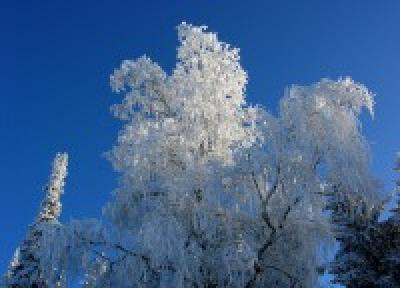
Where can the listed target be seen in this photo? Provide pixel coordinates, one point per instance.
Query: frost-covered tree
(215, 192)
(24, 270)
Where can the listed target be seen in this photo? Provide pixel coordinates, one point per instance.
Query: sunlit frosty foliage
(215, 192)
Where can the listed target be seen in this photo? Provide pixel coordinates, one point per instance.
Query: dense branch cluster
(215, 192)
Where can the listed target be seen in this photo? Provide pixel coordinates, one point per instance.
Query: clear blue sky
(56, 57)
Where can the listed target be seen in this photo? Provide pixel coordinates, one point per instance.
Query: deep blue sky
(56, 57)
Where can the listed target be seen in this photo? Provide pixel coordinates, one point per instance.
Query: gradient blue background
(56, 57)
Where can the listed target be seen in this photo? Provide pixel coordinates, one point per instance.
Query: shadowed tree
(369, 253)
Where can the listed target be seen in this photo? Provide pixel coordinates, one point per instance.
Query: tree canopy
(213, 191)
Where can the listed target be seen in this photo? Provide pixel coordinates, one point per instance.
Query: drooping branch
(117, 247)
